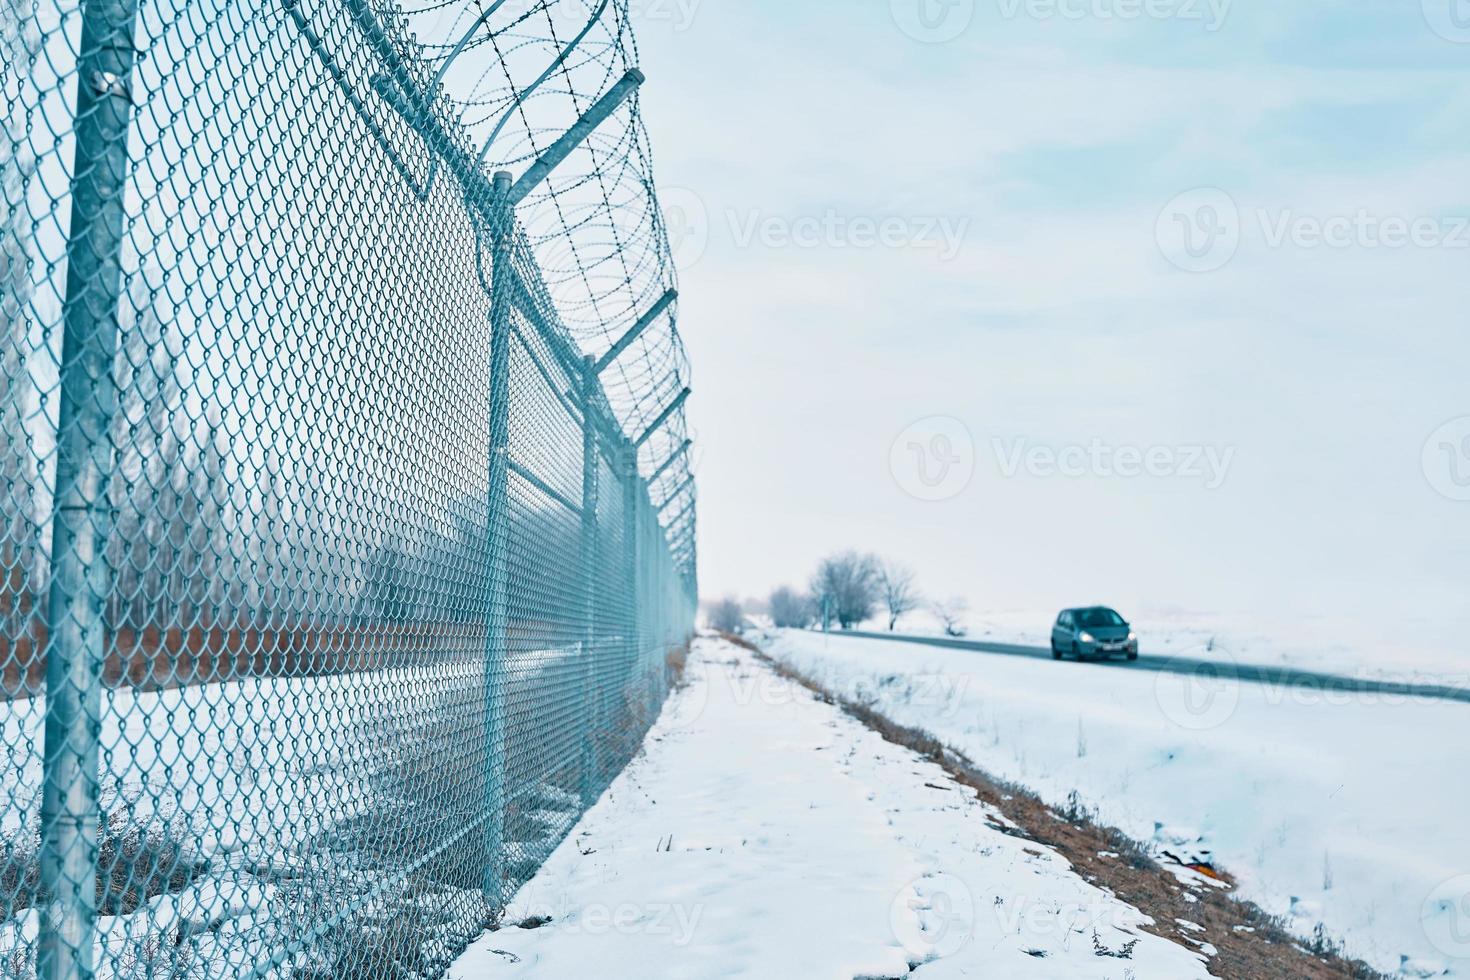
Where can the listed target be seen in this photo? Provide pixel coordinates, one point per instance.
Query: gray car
(1094, 631)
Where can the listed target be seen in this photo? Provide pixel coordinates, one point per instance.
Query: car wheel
(1132, 656)
(1056, 651)
(1077, 651)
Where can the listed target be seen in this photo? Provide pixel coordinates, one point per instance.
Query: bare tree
(900, 595)
(950, 613)
(726, 616)
(18, 537)
(20, 558)
(146, 493)
(847, 586)
(203, 521)
(270, 546)
(790, 609)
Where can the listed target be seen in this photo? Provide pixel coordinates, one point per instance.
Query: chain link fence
(347, 523)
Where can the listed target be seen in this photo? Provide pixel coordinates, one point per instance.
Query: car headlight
(1087, 638)
(1132, 637)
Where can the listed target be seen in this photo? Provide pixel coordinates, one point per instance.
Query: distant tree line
(846, 590)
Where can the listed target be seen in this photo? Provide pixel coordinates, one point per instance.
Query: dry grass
(676, 662)
(142, 859)
(1251, 944)
(139, 858)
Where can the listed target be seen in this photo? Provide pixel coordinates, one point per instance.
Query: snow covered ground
(766, 834)
(257, 777)
(1347, 810)
(1384, 650)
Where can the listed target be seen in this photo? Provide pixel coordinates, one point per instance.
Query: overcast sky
(1160, 303)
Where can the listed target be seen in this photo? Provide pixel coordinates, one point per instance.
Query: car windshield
(1099, 617)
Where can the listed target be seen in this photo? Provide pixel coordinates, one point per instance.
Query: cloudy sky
(1154, 302)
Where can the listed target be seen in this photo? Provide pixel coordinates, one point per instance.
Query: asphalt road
(1327, 684)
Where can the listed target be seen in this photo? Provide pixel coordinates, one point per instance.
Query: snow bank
(1343, 809)
(764, 834)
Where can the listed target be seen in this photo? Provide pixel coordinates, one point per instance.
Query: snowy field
(764, 834)
(1348, 810)
(265, 783)
(1380, 650)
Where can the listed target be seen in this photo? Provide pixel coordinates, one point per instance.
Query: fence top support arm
(677, 524)
(575, 136)
(663, 417)
(673, 458)
(626, 340)
(683, 484)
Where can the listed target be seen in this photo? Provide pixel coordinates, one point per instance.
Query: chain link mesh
(347, 523)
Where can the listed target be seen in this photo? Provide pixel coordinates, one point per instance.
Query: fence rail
(346, 537)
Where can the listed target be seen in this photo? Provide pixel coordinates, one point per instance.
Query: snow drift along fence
(347, 521)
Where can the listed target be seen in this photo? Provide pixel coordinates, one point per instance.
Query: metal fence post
(77, 641)
(497, 536)
(631, 530)
(589, 550)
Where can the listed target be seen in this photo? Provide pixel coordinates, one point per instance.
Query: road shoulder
(764, 832)
(1196, 906)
